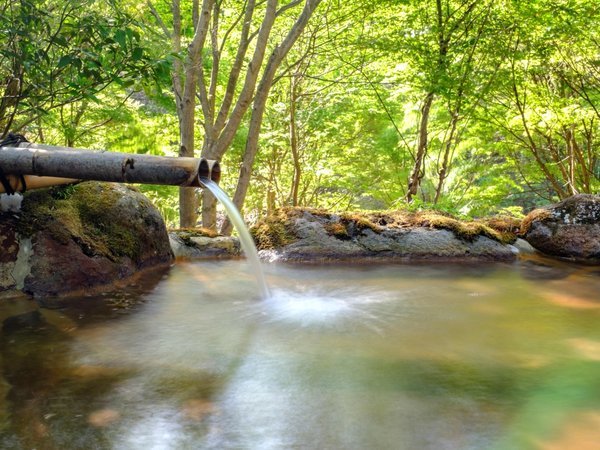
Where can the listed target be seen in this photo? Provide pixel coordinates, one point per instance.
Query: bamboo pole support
(44, 165)
(34, 182)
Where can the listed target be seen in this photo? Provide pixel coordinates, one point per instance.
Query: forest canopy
(475, 107)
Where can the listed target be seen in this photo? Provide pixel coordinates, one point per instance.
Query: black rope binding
(11, 140)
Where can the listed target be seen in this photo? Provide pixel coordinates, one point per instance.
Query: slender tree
(260, 100)
(221, 70)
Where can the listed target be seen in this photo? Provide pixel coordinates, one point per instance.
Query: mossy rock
(87, 235)
(276, 230)
(568, 229)
(316, 234)
(202, 243)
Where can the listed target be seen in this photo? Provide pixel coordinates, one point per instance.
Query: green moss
(275, 230)
(101, 227)
(501, 230)
(83, 213)
(536, 214)
(63, 192)
(361, 221)
(291, 212)
(338, 230)
(508, 227)
(38, 212)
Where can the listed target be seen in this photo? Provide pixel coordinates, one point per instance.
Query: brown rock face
(80, 237)
(9, 248)
(569, 229)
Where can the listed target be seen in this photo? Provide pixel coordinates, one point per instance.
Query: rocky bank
(310, 235)
(77, 238)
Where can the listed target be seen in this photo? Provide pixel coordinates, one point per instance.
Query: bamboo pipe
(63, 165)
(34, 182)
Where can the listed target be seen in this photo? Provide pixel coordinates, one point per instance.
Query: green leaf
(65, 61)
(137, 54)
(61, 40)
(121, 38)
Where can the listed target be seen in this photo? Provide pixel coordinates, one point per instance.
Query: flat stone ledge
(186, 246)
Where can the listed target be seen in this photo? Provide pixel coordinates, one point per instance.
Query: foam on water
(312, 307)
(307, 307)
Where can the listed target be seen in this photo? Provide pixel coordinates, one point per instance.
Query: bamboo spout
(42, 166)
(209, 170)
(215, 171)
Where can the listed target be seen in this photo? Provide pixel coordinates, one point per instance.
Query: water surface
(491, 356)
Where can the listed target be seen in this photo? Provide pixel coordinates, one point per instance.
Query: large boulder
(75, 238)
(569, 229)
(315, 235)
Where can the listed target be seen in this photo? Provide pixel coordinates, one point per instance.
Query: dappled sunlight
(580, 432)
(586, 348)
(569, 300)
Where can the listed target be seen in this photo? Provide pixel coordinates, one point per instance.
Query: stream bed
(443, 356)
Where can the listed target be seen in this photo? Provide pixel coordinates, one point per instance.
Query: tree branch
(159, 20)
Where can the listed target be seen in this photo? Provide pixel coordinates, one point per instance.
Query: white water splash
(311, 307)
(11, 202)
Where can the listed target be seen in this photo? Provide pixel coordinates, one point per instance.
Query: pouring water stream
(246, 240)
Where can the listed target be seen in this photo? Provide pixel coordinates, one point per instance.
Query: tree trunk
(188, 199)
(225, 130)
(443, 172)
(419, 165)
(294, 143)
(248, 88)
(260, 101)
(270, 202)
(569, 137)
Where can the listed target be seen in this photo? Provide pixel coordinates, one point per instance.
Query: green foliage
(520, 81)
(56, 53)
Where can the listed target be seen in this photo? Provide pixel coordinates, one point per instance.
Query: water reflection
(442, 357)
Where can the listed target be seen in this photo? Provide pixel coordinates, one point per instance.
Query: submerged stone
(76, 238)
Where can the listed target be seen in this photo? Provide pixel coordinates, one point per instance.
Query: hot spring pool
(491, 356)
